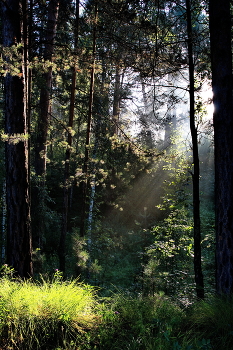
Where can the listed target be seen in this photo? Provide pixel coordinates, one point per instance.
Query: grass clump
(69, 315)
(61, 314)
(47, 315)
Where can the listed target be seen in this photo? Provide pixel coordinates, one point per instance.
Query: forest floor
(55, 314)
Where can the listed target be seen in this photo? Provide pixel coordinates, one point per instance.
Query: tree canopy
(109, 146)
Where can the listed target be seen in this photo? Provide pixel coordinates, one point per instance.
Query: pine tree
(221, 61)
(19, 246)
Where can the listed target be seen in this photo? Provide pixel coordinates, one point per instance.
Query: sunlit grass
(33, 315)
(69, 315)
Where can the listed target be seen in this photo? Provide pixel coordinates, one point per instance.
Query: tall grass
(45, 315)
(69, 315)
(212, 320)
(159, 324)
(136, 323)
(60, 314)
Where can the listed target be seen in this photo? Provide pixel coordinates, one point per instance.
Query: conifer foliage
(97, 148)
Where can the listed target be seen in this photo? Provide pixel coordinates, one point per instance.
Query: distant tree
(221, 59)
(46, 38)
(66, 185)
(196, 164)
(45, 91)
(84, 183)
(19, 247)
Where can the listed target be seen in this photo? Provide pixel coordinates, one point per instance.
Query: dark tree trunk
(66, 185)
(84, 183)
(43, 123)
(196, 168)
(45, 92)
(116, 99)
(221, 58)
(19, 248)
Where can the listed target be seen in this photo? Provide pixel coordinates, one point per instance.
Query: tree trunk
(84, 183)
(66, 185)
(116, 99)
(45, 92)
(196, 168)
(19, 247)
(62, 245)
(43, 123)
(4, 220)
(221, 59)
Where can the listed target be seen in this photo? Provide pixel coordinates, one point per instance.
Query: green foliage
(168, 261)
(69, 315)
(140, 242)
(6, 271)
(169, 267)
(158, 324)
(208, 247)
(46, 223)
(79, 245)
(118, 252)
(211, 320)
(138, 323)
(45, 315)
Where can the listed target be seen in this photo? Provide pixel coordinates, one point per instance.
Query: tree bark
(221, 60)
(116, 99)
(62, 245)
(196, 166)
(43, 121)
(19, 247)
(4, 211)
(84, 184)
(45, 92)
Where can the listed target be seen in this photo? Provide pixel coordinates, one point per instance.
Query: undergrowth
(69, 315)
(46, 315)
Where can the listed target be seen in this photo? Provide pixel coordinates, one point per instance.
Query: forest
(116, 171)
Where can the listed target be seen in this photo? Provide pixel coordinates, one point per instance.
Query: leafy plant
(170, 265)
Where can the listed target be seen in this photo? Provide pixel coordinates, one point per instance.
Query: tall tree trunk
(84, 184)
(221, 59)
(196, 168)
(66, 185)
(45, 92)
(19, 247)
(116, 99)
(43, 123)
(4, 212)
(145, 134)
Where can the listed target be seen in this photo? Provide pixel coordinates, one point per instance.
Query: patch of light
(207, 96)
